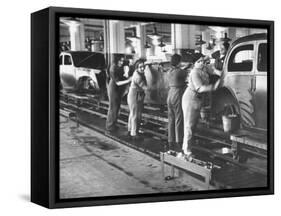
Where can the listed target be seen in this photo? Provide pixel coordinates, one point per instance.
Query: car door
(67, 72)
(239, 79)
(260, 85)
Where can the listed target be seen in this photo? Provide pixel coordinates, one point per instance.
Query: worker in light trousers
(193, 99)
(136, 98)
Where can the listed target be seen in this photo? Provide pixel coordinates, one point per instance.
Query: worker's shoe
(178, 147)
(128, 134)
(115, 128)
(171, 146)
(136, 138)
(188, 155)
(166, 147)
(180, 155)
(112, 129)
(174, 146)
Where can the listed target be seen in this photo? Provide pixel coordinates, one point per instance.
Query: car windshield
(88, 60)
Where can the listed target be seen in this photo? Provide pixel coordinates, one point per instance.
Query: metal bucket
(230, 123)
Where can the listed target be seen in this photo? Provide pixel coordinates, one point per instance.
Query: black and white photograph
(161, 107)
(140, 108)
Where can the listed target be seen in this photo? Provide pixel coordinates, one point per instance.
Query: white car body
(71, 72)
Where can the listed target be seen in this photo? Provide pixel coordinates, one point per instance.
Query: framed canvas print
(137, 107)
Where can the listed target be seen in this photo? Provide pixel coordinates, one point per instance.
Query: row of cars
(244, 79)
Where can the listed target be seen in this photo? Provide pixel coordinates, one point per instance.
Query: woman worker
(193, 98)
(219, 56)
(135, 98)
(177, 82)
(115, 91)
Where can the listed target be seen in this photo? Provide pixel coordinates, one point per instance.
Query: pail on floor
(230, 123)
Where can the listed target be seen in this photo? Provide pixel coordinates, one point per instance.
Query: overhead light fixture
(199, 41)
(154, 35)
(209, 47)
(101, 37)
(162, 44)
(147, 46)
(87, 40)
(214, 41)
(130, 50)
(211, 44)
(225, 38)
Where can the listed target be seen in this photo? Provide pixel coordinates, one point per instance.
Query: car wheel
(85, 85)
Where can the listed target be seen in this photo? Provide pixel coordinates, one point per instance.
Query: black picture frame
(45, 106)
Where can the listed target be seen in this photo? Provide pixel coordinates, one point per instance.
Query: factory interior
(131, 127)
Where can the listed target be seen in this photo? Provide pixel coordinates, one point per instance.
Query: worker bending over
(193, 98)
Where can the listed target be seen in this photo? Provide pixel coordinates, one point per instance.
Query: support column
(116, 37)
(256, 31)
(183, 36)
(141, 32)
(241, 32)
(206, 36)
(106, 42)
(232, 34)
(77, 36)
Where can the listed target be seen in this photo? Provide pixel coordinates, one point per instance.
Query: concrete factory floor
(92, 165)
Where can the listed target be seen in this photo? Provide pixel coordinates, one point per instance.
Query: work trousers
(175, 117)
(191, 105)
(135, 102)
(114, 97)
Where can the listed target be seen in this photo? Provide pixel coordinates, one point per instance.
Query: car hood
(88, 60)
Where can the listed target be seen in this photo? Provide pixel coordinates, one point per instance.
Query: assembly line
(142, 110)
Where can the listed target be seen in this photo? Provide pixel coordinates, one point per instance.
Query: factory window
(262, 57)
(67, 60)
(241, 59)
(60, 60)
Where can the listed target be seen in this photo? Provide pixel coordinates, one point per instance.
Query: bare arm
(200, 87)
(216, 85)
(141, 82)
(115, 78)
(210, 69)
(205, 88)
(208, 88)
(123, 82)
